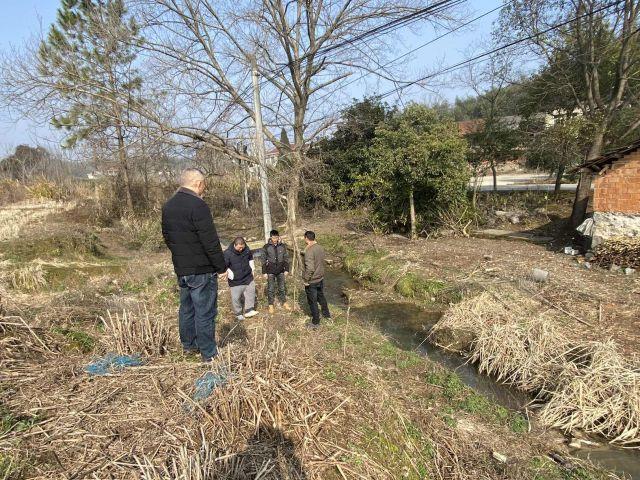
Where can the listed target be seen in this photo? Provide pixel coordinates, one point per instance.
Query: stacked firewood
(622, 251)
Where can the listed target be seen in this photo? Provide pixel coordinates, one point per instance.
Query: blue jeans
(197, 314)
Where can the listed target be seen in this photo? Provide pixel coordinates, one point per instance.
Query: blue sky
(22, 19)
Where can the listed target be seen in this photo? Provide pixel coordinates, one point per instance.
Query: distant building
(272, 157)
(616, 193)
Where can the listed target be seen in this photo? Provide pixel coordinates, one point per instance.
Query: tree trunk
(262, 161)
(583, 191)
(581, 202)
(494, 172)
(245, 187)
(122, 156)
(559, 175)
(412, 213)
(293, 192)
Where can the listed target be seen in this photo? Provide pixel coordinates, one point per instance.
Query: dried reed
(136, 333)
(586, 385)
(29, 278)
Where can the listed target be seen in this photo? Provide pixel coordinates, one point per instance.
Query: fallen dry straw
(517, 339)
(267, 422)
(130, 333)
(272, 419)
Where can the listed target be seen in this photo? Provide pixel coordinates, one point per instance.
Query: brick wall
(618, 189)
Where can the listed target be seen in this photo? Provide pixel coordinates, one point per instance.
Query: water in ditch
(408, 324)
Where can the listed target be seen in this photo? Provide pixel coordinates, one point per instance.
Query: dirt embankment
(341, 402)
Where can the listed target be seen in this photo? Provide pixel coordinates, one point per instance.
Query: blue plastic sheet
(111, 362)
(207, 383)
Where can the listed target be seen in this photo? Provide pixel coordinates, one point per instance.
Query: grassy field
(345, 401)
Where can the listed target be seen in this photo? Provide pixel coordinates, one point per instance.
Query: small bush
(12, 191)
(47, 190)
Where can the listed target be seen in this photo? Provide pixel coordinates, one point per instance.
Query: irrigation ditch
(411, 325)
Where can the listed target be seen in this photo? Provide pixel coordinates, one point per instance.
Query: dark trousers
(197, 314)
(274, 281)
(315, 296)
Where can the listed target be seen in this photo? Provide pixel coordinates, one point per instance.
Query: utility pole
(262, 160)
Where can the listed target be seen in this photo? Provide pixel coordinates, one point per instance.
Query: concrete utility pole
(262, 160)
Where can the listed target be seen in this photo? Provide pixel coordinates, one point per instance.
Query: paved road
(522, 182)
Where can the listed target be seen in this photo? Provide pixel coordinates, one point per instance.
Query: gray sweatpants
(243, 295)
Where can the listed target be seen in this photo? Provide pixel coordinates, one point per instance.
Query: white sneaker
(250, 313)
(240, 318)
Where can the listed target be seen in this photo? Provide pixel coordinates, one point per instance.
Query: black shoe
(209, 359)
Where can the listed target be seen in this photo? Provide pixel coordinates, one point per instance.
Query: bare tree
(495, 138)
(303, 50)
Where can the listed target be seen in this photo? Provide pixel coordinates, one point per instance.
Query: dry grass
(29, 278)
(518, 339)
(130, 333)
(272, 419)
(600, 397)
(143, 233)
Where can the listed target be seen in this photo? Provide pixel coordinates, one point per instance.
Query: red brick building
(616, 192)
(616, 185)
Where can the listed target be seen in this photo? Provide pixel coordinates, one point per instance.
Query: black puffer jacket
(189, 232)
(239, 264)
(275, 259)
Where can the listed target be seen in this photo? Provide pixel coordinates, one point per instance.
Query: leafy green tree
(344, 155)
(89, 56)
(494, 143)
(419, 168)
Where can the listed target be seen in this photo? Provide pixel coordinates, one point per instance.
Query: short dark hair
(239, 241)
(309, 235)
(274, 233)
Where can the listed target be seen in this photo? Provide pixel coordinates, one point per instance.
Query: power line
(497, 49)
(479, 57)
(473, 20)
(376, 31)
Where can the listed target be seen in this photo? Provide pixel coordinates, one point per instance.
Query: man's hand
(286, 274)
(306, 284)
(264, 275)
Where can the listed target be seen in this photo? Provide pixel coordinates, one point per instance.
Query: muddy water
(408, 324)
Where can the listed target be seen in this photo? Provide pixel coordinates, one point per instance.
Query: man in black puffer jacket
(240, 266)
(189, 232)
(275, 266)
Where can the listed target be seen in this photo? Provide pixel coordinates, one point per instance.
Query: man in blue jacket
(189, 232)
(240, 267)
